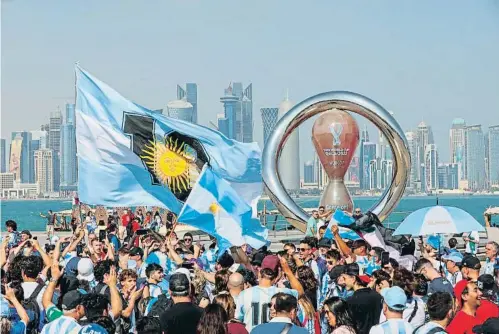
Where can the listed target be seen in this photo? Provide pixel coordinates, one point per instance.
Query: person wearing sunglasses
(357, 214)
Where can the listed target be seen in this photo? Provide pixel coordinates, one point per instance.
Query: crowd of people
(132, 274)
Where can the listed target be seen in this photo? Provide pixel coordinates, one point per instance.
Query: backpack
(33, 309)
(158, 305)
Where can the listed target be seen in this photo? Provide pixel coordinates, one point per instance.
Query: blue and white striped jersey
(63, 324)
(399, 326)
(253, 304)
(168, 265)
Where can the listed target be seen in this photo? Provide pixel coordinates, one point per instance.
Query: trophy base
(336, 196)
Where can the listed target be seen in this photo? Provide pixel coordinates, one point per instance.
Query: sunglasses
(187, 239)
(357, 211)
(303, 249)
(330, 262)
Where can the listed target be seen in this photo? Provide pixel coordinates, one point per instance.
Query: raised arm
(47, 261)
(116, 305)
(10, 295)
(293, 281)
(49, 291)
(342, 245)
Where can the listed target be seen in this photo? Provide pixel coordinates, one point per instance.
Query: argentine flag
(342, 219)
(215, 208)
(132, 156)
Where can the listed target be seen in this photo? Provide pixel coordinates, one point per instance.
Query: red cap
(271, 262)
(459, 288)
(364, 278)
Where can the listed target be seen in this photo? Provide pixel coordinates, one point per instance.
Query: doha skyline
(428, 61)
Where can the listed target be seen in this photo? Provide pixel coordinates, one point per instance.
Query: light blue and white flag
(131, 156)
(341, 219)
(215, 208)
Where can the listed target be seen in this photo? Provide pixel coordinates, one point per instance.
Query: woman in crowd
(234, 326)
(338, 316)
(213, 321)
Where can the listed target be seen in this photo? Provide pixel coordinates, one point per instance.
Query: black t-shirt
(366, 306)
(181, 318)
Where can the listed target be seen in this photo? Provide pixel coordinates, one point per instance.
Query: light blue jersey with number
(253, 304)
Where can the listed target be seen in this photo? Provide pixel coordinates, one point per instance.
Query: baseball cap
(324, 242)
(487, 285)
(471, 262)
(433, 241)
(186, 272)
(454, 257)
(92, 329)
(71, 299)
(395, 298)
(136, 251)
(459, 288)
(336, 272)
(179, 283)
(271, 262)
(85, 270)
(351, 269)
(491, 326)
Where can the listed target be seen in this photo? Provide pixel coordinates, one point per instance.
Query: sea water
(27, 212)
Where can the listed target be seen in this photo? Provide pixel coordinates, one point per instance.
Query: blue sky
(431, 60)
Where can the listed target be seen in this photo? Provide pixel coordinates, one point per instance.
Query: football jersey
(253, 304)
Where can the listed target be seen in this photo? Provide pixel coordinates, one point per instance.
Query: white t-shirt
(29, 288)
(252, 305)
(472, 246)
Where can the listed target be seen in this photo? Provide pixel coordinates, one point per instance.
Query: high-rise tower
(190, 94)
(475, 157)
(289, 163)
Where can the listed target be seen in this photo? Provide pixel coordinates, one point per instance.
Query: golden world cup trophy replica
(335, 136)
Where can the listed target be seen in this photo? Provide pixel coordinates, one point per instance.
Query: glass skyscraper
(20, 155)
(456, 142)
(190, 94)
(55, 123)
(431, 164)
(369, 154)
(68, 160)
(238, 110)
(269, 120)
(363, 165)
(494, 156)
(475, 157)
(308, 172)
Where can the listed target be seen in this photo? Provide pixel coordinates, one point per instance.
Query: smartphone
(385, 259)
(142, 231)
(64, 245)
(102, 235)
(281, 253)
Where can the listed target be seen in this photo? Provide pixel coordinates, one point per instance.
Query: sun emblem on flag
(214, 208)
(173, 162)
